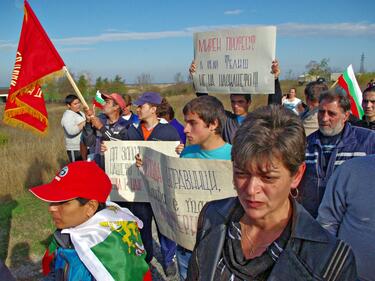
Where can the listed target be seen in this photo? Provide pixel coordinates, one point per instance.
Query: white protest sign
(235, 60)
(179, 188)
(128, 184)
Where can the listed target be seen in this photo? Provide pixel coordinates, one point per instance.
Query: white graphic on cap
(63, 173)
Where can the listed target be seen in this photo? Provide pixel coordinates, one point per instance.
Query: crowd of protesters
(301, 171)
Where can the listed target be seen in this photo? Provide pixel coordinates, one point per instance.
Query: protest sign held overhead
(235, 60)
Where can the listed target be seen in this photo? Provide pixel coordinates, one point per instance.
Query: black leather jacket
(310, 254)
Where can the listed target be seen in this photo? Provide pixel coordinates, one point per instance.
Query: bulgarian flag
(110, 245)
(98, 101)
(36, 60)
(349, 83)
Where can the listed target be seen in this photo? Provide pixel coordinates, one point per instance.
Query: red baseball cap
(117, 98)
(78, 179)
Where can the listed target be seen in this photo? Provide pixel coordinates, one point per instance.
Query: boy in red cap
(94, 240)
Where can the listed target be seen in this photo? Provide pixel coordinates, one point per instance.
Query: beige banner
(179, 188)
(128, 184)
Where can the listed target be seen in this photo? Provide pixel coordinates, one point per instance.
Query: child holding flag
(94, 240)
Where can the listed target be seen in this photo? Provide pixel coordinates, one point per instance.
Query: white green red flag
(349, 83)
(99, 101)
(110, 245)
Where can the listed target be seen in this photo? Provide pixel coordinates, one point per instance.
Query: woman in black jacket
(263, 233)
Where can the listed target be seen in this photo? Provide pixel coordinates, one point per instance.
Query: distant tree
(105, 84)
(320, 69)
(178, 78)
(50, 91)
(83, 85)
(289, 75)
(144, 80)
(99, 83)
(117, 85)
(64, 87)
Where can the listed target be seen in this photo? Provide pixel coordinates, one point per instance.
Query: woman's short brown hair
(268, 132)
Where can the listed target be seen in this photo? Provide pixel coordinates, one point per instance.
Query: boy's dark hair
(369, 89)
(165, 109)
(127, 98)
(70, 98)
(270, 132)
(83, 201)
(209, 109)
(246, 96)
(314, 89)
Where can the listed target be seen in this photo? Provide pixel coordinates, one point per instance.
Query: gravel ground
(31, 270)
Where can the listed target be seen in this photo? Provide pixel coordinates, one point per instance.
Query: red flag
(36, 60)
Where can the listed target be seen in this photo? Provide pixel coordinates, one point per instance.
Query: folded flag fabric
(349, 83)
(99, 101)
(110, 246)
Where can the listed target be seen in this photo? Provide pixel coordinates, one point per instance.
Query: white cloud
(74, 49)
(7, 46)
(233, 12)
(285, 29)
(344, 29)
(121, 36)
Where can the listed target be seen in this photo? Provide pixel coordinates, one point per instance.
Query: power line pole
(362, 68)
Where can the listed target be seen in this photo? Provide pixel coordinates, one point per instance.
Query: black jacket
(161, 132)
(310, 254)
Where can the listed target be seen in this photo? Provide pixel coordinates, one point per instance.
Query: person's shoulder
(67, 113)
(362, 135)
(358, 164)
(218, 211)
(225, 152)
(313, 137)
(190, 149)
(227, 146)
(176, 123)
(167, 131)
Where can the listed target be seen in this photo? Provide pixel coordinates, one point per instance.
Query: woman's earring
(294, 192)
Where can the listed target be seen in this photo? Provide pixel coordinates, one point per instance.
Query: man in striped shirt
(335, 142)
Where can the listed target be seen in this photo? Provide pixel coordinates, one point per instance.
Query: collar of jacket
(346, 137)
(304, 227)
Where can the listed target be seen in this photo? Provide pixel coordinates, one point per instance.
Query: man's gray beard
(332, 132)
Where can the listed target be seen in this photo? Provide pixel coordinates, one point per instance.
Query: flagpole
(334, 84)
(78, 92)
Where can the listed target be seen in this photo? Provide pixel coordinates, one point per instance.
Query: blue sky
(129, 37)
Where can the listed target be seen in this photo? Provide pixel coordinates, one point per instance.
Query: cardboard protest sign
(128, 183)
(235, 60)
(179, 188)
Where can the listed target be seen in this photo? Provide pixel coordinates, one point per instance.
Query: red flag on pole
(36, 60)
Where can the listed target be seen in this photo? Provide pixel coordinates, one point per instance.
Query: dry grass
(27, 159)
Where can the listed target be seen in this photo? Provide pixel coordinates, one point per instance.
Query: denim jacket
(310, 254)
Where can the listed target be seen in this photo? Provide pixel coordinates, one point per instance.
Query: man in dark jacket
(107, 126)
(334, 143)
